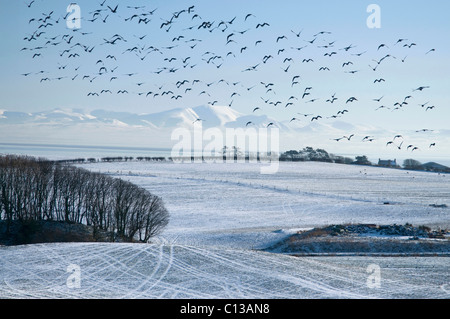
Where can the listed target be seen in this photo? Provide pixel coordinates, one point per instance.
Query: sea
(67, 152)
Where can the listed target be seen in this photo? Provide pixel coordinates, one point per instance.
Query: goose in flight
(260, 25)
(349, 137)
(333, 98)
(281, 38)
(421, 88)
(378, 100)
(297, 34)
(351, 99)
(286, 69)
(322, 32)
(400, 40)
(348, 47)
(359, 54)
(248, 16)
(113, 10)
(409, 45)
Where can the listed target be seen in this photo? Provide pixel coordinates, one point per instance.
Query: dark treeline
(38, 189)
(110, 159)
(316, 155)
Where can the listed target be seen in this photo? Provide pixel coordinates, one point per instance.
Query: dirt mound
(375, 230)
(366, 239)
(34, 232)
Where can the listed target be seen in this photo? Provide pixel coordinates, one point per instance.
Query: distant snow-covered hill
(113, 128)
(211, 116)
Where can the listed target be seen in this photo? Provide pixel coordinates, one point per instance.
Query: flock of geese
(97, 60)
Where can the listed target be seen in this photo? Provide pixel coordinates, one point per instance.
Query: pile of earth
(366, 239)
(380, 230)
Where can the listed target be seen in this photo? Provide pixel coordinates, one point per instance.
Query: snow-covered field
(233, 205)
(181, 271)
(221, 214)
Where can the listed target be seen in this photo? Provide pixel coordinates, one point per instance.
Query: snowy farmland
(222, 214)
(233, 205)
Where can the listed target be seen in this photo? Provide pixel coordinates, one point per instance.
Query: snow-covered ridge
(223, 217)
(209, 115)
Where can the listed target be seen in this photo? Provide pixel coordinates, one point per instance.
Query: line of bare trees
(38, 189)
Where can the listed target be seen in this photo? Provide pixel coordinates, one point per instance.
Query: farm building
(387, 163)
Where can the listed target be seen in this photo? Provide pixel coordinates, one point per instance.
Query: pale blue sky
(424, 23)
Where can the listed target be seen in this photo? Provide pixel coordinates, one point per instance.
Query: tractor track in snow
(177, 271)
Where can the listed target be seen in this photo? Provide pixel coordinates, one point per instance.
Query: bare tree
(411, 164)
(37, 189)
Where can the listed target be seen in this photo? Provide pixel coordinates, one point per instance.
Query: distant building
(435, 167)
(387, 163)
